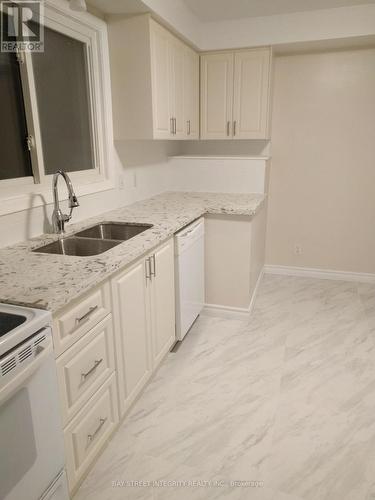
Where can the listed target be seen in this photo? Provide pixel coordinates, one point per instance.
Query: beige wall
(322, 182)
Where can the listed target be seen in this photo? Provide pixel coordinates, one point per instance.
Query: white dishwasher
(189, 276)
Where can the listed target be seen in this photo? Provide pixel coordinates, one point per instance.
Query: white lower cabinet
(78, 318)
(132, 325)
(89, 430)
(239, 242)
(107, 347)
(144, 318)
(83, 368)
(162, 301)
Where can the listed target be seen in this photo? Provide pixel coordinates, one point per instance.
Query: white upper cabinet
(176, 78)
(191, 93)
(149, 80)
(216, 96)
(251, 94)
(235, 94)
(161, 65)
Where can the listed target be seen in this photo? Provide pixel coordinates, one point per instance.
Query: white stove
(31, 451)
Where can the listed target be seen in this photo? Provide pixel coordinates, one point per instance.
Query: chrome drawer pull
(92, 436)
(96, 364)
(153, 268)
(148, 269)
(86, 315)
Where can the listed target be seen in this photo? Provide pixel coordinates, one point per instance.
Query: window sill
(42, 195)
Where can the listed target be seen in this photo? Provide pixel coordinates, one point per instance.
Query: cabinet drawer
(89, 430)
(78, 319)
(82, 369)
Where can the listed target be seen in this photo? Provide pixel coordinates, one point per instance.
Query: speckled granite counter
(50, 282)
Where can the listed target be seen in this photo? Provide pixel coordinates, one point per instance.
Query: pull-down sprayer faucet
(58, 218)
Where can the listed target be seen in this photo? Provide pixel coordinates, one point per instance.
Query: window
(52, 111)
(62, 92)
(15, 157)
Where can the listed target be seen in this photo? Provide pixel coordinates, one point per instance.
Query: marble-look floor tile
(286, 397)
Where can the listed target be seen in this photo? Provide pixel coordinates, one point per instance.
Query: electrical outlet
(298, 249)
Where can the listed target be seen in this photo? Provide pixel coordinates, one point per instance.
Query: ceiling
(221, 10)
(118, 6)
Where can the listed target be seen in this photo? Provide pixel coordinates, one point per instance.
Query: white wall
(322, 177)
(219, 175)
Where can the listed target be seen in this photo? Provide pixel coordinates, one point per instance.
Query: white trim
(234, 312)
(325, 274)
(207, 157)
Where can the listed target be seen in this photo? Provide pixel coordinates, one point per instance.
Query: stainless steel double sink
(94, 240)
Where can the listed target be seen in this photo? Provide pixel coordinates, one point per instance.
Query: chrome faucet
(58, 218)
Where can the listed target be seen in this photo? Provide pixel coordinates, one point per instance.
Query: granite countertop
(49, 281)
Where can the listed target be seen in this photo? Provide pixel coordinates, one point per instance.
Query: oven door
(31, 451)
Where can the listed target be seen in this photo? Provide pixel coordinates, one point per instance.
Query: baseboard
(225, 311)
(233, 312)
(324, 274)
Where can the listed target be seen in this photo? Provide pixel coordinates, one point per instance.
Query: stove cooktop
(17, 323)
(9, 322)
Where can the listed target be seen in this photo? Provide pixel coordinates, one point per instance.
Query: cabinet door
(160, 71)
(191, 93)
(216, 95)
(176, 70)
(251, 94)
(162, 301)
(131, 306)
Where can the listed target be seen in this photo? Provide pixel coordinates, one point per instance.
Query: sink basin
(113, 231)
(80, 247)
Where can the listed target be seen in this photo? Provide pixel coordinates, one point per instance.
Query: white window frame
(26, 192)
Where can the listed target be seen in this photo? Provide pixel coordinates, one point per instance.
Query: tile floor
(286, 398)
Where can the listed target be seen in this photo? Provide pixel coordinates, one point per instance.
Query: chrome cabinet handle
(86, 315)
(153, 267)
(92, 369)
(188, 127)
(175, 125)
(92, 436)
(228, 128)
(148, 269)
(171, 120)
(234, 127)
